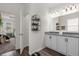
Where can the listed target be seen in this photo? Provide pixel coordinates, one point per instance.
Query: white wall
(48, 23)
(52, 24)
(36, 39)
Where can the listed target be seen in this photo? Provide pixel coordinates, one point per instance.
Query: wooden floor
(17, 52)
(43, 52)
(25, 51)
(49, 52)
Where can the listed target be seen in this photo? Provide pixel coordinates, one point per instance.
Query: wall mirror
(70, 22)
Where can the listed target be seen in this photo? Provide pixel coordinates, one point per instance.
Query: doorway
(7, 32)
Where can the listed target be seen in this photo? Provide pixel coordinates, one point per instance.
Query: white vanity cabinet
(61, 45)
(48, 42)
(68, 45)
(72, 46)
(53, 42)
(64, 45)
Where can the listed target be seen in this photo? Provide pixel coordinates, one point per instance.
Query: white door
(17, 32)
(53, 42)
(25, 32)
(72, 46)
(61, 45)
(48, 41)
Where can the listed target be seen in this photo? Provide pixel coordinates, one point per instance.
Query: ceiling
(57, 6)
(9, 7)
(14, 7)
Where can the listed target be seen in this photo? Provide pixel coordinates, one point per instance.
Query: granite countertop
(65, 34)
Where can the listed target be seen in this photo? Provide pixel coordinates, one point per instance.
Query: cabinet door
(72, 47)
(48, 41)
(53, 42)
(61, 45)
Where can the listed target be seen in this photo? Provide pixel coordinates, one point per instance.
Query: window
(72, 24)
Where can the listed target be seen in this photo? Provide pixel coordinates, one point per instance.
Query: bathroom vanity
(66, 43)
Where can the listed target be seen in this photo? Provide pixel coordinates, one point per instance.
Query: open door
(24, 37)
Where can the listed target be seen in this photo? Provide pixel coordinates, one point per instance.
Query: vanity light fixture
(68, 9)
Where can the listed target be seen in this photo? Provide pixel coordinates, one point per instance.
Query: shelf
(36, 19)
(35, 23)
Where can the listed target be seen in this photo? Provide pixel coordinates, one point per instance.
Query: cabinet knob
(50, 37)
(66, 39)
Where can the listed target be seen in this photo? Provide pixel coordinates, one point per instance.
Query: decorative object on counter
(62, 27)
(35, 23)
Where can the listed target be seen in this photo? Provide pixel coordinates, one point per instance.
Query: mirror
(69, 22)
